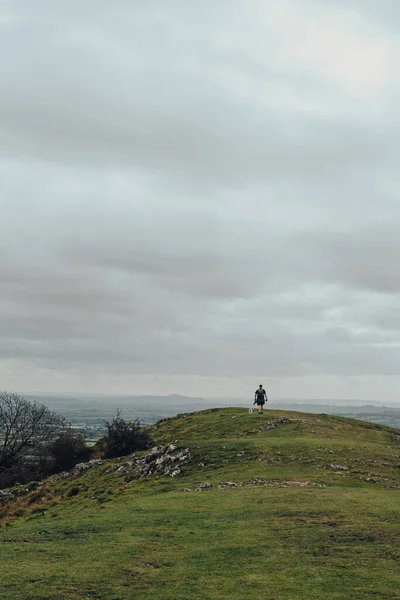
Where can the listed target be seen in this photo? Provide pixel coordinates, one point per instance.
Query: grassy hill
(281, 506)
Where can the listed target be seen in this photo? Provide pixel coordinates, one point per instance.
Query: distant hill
(92, 411)
(280, 506)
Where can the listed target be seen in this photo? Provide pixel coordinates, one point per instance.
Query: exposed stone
(159, 461)
(6, 496)
(81, 467)
(204, 486)
(227, 484)
(284, 484)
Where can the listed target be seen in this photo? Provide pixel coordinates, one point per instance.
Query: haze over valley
(90, 412)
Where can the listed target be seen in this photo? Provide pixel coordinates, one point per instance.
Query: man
(260, 398)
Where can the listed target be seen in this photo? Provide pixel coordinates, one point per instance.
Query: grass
(102, 536)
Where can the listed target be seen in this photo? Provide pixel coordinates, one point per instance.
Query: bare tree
(25, 429)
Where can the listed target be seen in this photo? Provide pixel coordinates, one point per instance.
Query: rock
(157, 462)
(6, 496)
(154, 454)
(186, 490)
(80, 467)
(284, 484)
(339, 468)
(204, 486)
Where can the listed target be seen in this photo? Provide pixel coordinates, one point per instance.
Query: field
(301, 506)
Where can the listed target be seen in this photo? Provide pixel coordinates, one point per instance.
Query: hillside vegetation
(279, 506)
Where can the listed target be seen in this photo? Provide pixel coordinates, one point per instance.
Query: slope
(289, 505)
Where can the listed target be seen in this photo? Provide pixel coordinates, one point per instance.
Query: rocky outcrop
(290, 483)
(161, 460)
(81, 467)
(6, 496)
(204, 486)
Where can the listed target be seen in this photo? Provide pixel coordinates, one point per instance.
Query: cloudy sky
(198, 197)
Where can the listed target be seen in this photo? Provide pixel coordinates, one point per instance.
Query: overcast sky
(198, 197)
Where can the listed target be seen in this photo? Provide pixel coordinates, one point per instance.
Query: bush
(99, 448)
(125, 437)
(68, 449)
(74, 491)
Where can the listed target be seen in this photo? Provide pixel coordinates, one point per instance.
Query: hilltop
(227, 505)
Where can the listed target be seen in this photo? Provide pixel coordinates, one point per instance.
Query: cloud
(193, 195)
(338, 43)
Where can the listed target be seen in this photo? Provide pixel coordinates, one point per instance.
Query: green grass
(102, 536)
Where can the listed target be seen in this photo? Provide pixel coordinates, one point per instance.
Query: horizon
(299, 401)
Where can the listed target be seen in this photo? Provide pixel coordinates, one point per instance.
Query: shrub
(99, 448)
(125, 437)
(69, 449)
(74, 491)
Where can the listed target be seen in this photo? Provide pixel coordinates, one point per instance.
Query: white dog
(251, 410)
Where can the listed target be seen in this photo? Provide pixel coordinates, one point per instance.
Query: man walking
(260, 398)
